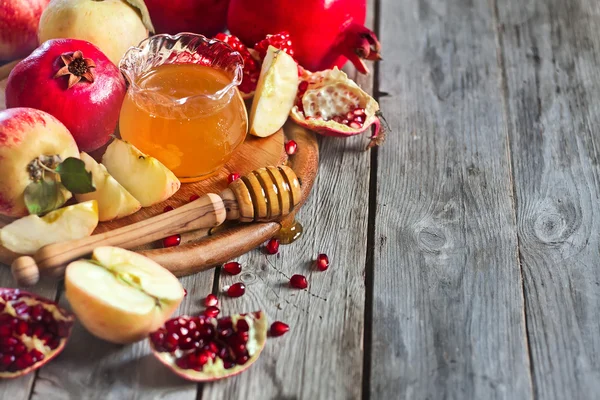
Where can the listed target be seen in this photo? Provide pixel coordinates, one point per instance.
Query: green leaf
(75, 177)
(142, 10)
(44, 196)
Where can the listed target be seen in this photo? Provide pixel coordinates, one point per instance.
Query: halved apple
(29, 234)
(146, 178)
(121, 296)
(114, 201)
(275, 93)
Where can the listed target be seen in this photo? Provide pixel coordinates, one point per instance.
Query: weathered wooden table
(465, 251)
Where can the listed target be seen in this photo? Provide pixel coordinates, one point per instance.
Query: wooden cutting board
(204, 249)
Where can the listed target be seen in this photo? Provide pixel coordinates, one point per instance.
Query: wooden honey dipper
(265, 194)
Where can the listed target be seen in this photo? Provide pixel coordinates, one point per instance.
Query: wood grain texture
(551, 51)
(322, 355)
(448, 318)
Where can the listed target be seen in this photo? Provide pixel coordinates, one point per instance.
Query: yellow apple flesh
(121, 296)
(112, 25)
(26, 134)
(29, 234)
(146, 178)
(114, 201)
(275, 93)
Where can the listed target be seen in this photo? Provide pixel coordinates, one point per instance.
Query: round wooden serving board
(204, 249)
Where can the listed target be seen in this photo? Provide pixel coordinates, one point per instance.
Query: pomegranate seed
(36, 312)
(236, 290)
(5, 330)
(354, 125)
(212, 311)
(203, 358)
(228, 364)
(8, 342)
(211, 300)
(278, 328)
(298, 281)
(182, 363)
(194, 197)
(168, 208)
(232, 268)
(7, 359)
(291, 147)
(19, 349)
(172, 241)
(232, 177)
(26, 360)
(157, 337)
(242, 326)
(206, 330)
(36, 355)
(241, 360)
(322, 262)
(184, 292)
(272, 246)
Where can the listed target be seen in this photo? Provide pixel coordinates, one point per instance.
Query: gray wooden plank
(551, 53)
(322, 355)
(20, 388)
(448, 318)
(90, 368)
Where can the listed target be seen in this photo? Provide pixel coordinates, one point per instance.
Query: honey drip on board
(289, 233)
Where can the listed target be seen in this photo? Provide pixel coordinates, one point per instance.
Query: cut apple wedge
(29, 234)
(146, 178)
(114, 201)
(121, 296)
(275, 93)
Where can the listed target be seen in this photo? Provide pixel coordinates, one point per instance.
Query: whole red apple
(75, 82)
(25, 135)
(207, 17)
(18, 27)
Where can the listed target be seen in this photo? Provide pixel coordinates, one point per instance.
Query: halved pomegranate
(205, 349)
(33, 330)
(331, 104)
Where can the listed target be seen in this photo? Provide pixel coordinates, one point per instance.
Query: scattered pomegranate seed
(236, 290)
(322, 262)
(172, 241)
(194, 197)
(272, 246)
(232, 177)
(278, 328)
(298, 281)
(232, 268)
(168, 208)
(212, 311)
(184, 292)
(211, 300)
(291, 147)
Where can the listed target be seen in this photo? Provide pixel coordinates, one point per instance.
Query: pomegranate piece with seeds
(33, 330)
(252, 65)
(204, 349)
(331, 104)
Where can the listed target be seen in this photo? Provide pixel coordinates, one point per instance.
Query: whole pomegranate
(326, 33)
(76, 83)
(207, 17)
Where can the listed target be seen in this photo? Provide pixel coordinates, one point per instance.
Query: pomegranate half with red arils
(33, 330)
(326, 33)
(203, 349)
(331, 104)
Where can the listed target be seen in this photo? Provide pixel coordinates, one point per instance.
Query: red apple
(18, 27)
(207, 17)
(26, 134)
(85, 95)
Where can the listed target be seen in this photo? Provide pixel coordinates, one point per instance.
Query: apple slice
(29, 234)
(114, 201)
(121, 296)
(275, 93)
(146, 178)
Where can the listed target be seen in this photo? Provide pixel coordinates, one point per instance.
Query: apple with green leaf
(39, 163)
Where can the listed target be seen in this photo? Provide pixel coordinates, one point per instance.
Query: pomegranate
(33, 330)
(278, 328)
(205, 349)
(330, 103)
(76, 83)
(206, 17)
(326, 33)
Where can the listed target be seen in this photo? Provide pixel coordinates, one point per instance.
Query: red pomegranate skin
(89, 110)
(207, 17)
(315, 26)
(19, 21)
